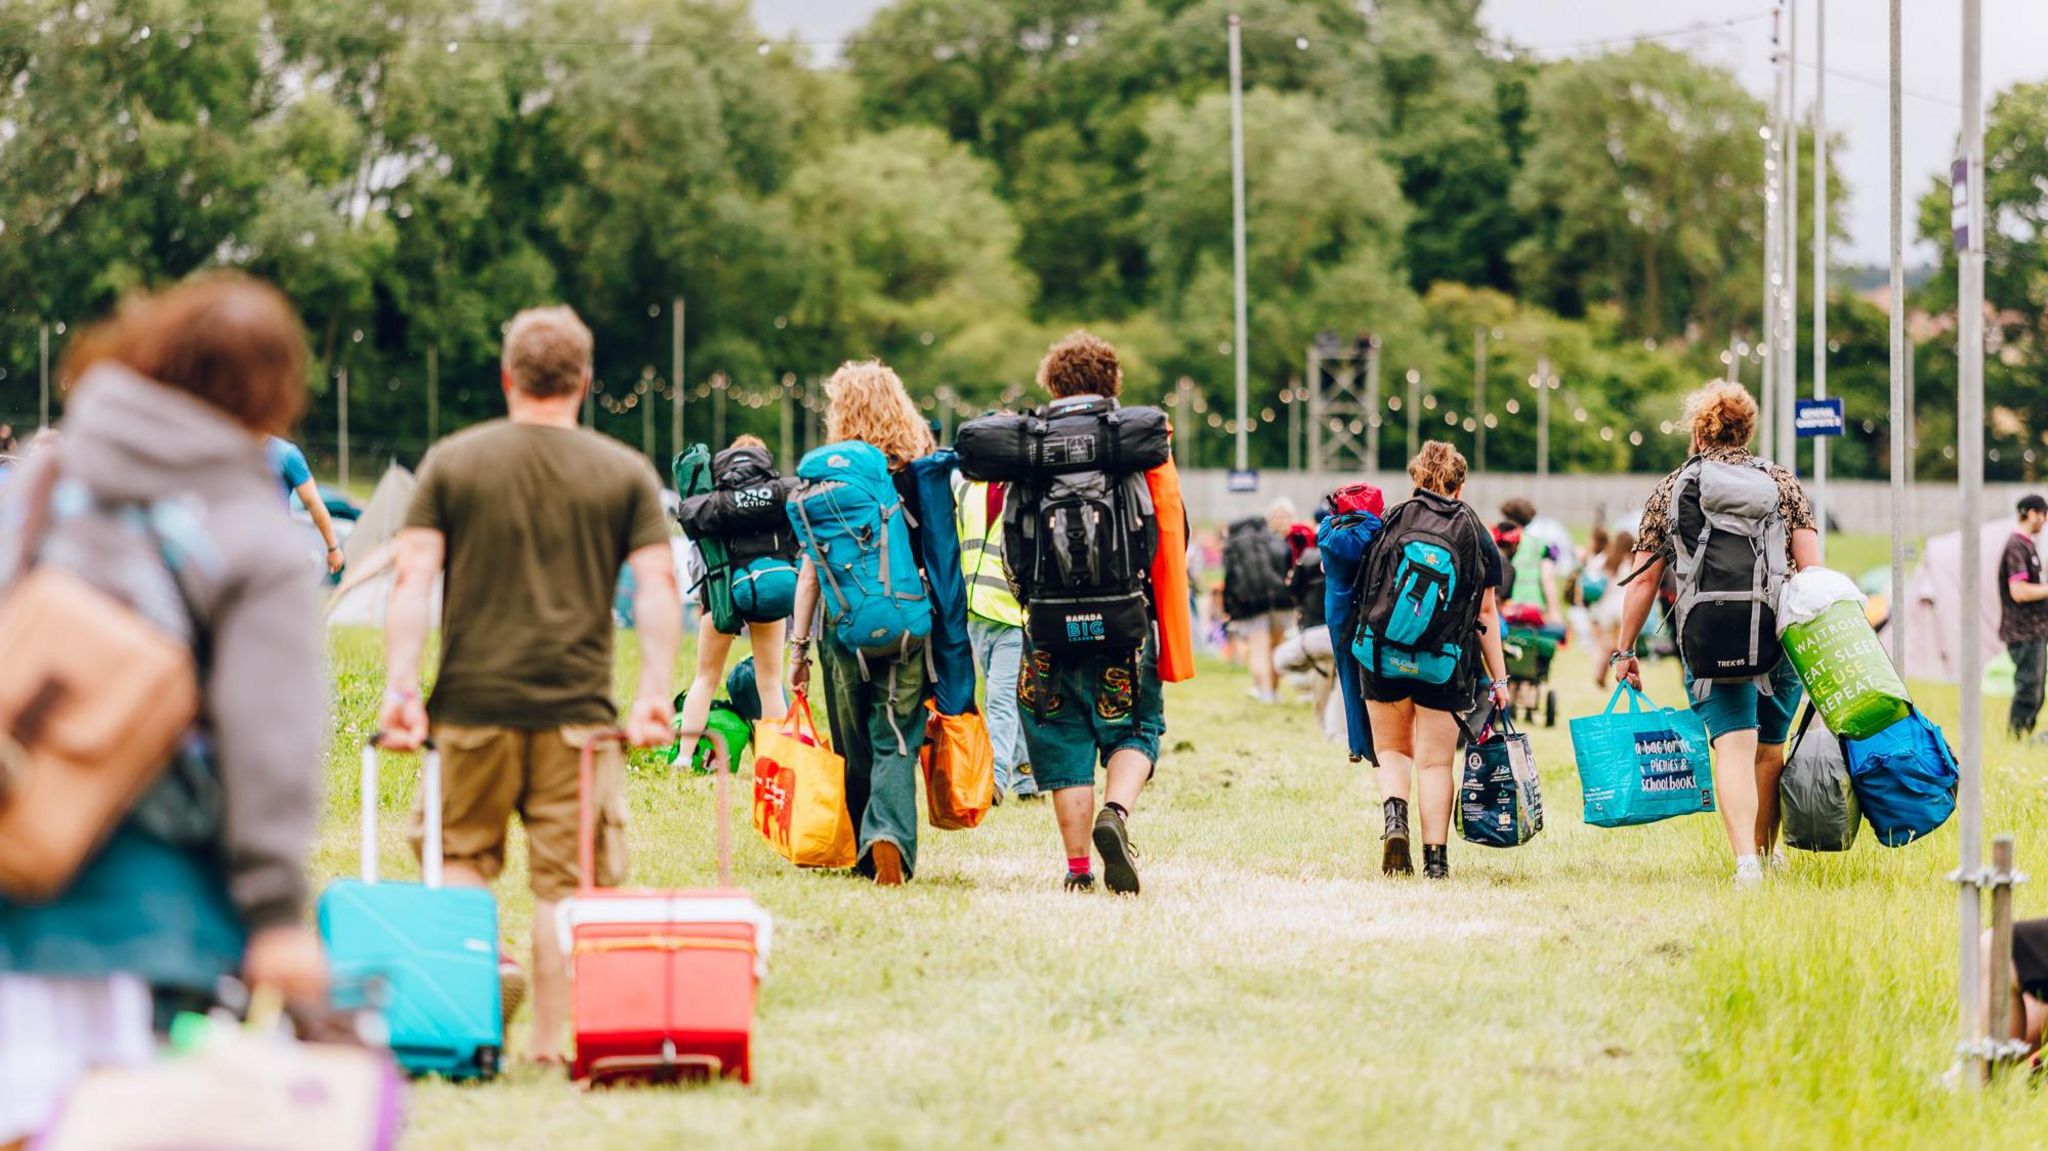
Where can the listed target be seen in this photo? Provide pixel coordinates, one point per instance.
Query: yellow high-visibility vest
(981, 556)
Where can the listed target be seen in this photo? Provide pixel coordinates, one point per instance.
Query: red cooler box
(664, 980)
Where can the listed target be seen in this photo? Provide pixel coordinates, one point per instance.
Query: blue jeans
(999, 652)
(878, 726)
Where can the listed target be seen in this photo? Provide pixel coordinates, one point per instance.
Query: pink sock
(1077, 865)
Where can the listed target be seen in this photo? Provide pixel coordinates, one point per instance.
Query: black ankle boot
(1394, 857)
(1436, 860)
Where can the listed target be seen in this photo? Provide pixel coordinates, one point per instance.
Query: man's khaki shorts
(488, 773)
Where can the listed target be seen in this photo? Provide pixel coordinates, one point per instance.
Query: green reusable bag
(1847, 674)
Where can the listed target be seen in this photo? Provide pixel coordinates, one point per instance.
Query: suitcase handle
(430, 816)
(586, 811)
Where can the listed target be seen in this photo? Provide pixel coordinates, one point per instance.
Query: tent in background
(366, 582)
(1933, 607)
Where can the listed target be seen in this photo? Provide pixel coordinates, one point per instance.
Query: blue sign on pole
(1817, 418)
(1244, 481)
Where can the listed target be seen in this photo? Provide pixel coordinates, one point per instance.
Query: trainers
(1082, 882)
(1436, 861)
(512, 987)
(888, 860)
(1113, 844)
(1394, 857)
(1777, 863)
(1749, 872)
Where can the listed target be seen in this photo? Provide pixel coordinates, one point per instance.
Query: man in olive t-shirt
(531, 517)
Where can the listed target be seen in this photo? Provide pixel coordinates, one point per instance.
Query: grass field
(1592, 989)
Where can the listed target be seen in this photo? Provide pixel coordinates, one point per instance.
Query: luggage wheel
(667, 1067)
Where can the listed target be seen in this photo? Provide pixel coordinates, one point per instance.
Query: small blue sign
(1817, 418)
(1246, 480)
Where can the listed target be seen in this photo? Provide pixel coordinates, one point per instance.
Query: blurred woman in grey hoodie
(172, 399)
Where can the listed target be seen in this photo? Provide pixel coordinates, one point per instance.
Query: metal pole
(1479, 398)
(1239, 344)
(1543, 418)
(341, 408)
(1315, 407)
(433, 392)
(1372, 406)
(646, 400)
(719, 387)
(43, 354)
(1294, 425)
(1788, 377)
(1970, 469)
(1820, 261)
(1414, 412)
(1767, 338)
(1901, 415)
(675, 374)
(1183, 420)
(788, 406)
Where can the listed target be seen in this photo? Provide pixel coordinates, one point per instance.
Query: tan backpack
(93, 701)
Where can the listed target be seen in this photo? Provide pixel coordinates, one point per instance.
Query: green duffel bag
(1847, 674)
(1816, 805)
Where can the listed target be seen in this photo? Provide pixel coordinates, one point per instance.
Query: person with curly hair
(877, 711)
(1747, 726)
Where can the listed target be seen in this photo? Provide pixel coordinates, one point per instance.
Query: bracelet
(399, 695)
(1620, 656)
(1502, 683)
(334, 547)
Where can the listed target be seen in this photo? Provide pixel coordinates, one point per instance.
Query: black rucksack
(1080, 545)
(742, 530)
(1420, 590)
(1727, 549)
(1255, 564)
(1307, 584)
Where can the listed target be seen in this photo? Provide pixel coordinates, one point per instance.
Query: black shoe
(1394, 857)
(1085, 881)
(1436, 861)
(1113, 844)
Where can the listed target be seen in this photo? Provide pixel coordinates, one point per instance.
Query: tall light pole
(1414, 412)
(1372, 406)
(1479, 398)
(1239, 344)
(675, 374)
(341, 422)
(1969, 214)
(1542, 382)
(1820, 260)
(1774, 234)
(1788, 375)
(43, 378)
(433, 393)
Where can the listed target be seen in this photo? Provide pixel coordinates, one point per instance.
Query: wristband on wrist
(400, 695)
(1621, 655)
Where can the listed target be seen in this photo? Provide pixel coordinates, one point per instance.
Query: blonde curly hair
(1721, 415)
(866, 401)
(1438, 467)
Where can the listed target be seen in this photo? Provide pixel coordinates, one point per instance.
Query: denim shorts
(1739, 706)
(1076, 715)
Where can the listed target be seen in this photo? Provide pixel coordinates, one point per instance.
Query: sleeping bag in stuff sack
(1083, 437)
(1905, 778)
(938, 533)
(1816, 800)
(1342, 540)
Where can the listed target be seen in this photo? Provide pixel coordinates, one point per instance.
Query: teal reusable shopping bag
(1643, 764)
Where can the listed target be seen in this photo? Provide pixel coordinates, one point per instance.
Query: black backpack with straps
(1419, 592)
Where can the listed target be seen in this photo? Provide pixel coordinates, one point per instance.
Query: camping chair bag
(1816, 802)
(1644, 764)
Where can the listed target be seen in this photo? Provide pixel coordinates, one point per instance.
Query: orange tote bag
(959, 769)
(800, 792)
(1170, 577)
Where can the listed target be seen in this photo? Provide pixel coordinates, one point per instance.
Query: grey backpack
(1728, 553)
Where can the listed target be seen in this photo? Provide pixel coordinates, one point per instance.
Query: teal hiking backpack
(1421, 588)
(857, 532)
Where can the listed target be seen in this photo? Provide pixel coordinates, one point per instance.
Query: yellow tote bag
(800, 792)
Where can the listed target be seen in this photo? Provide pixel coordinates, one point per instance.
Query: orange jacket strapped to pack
(1170, 577)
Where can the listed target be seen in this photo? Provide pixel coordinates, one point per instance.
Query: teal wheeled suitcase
(432, 950)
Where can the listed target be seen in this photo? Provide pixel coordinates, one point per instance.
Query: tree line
(967, 180)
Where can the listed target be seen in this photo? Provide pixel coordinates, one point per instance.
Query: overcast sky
(2016, 34)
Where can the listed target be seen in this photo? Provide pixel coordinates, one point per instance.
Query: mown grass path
(1592, 989)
